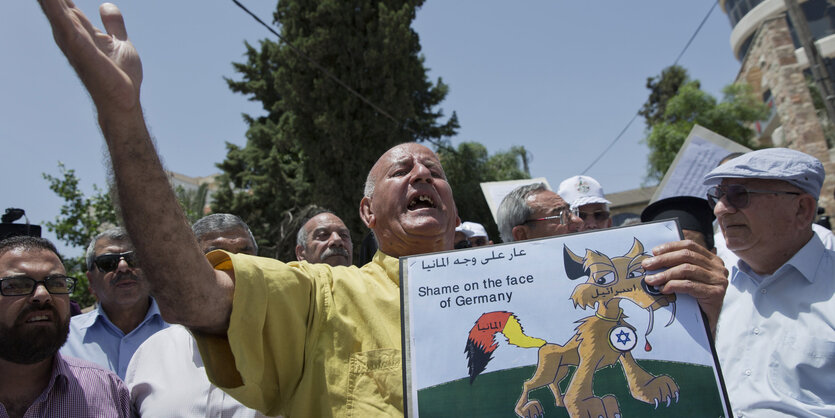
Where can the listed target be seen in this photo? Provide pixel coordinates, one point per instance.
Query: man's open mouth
(421, 202)
(38, 318)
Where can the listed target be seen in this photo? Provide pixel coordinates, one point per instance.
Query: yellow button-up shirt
(310, 340)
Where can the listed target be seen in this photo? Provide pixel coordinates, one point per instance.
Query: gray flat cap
(796, 168)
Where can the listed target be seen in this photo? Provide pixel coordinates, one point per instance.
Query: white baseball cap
(472, 229)
(581, 190)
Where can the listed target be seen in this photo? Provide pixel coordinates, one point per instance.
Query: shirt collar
(99, 314)
(805, 261)
(60, 373)
(391, 265)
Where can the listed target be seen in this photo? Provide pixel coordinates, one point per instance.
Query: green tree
(83, 217)
(662, 88)
(80, 219)
(469, 165)
(318, 139)
(193, 202)
(820, 110)
(730, 118)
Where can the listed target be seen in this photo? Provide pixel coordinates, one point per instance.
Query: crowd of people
(203, 327)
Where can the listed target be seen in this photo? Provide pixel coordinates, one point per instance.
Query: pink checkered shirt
(80, 389)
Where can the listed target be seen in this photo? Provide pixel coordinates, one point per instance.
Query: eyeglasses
(599, 216)
(24, 285)
(564, 215)
(738, 196)
(109, 262)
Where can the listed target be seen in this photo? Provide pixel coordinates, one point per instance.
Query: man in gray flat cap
(776, 333)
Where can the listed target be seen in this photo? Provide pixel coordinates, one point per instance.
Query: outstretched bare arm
(186, 287)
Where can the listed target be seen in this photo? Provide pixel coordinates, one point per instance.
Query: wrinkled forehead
(404, 153)
(229, 234)
(107, 245)
(545, 199)
(34, 262)
(324, 221)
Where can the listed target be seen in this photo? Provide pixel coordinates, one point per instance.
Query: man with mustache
(35, 380)
(324, 238)
(125, 314)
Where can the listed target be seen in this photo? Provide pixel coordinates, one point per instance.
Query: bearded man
(34, 322)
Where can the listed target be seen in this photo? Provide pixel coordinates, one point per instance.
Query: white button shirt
(166, 378)
(776, 337)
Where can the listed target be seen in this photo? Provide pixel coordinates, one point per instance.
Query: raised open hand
(107, 63)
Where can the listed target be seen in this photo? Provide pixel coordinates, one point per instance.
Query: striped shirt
(79, 389)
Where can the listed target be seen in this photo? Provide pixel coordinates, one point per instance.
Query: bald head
(408, 202)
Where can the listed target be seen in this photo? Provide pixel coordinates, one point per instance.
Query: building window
(743, 50)
(737, 9)
(820, 16)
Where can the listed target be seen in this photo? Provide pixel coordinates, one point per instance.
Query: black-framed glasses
(25, 285)
(599, 216)
(110, 261)
(737, 195)
(564, 215)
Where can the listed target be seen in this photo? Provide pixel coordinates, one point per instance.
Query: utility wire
(686, 46)
(623, 131)
(340, 82)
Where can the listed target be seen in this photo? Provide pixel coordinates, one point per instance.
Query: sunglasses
(109, 262)
(564, 215)
(737, 195)
(599, 216)
(462, 244)
(24, 285)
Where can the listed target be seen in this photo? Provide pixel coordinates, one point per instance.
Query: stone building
(776, 67)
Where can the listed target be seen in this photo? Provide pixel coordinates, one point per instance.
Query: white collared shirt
(166, 378)
(776, 337)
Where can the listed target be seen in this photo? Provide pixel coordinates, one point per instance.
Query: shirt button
(763, 291)
(748, 372)
(756, 331)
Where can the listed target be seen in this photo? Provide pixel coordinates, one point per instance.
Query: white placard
(700, 153)
(477, 321)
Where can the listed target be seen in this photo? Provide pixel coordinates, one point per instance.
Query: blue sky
(561, 78)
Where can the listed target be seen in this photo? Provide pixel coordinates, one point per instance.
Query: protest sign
(497, 330)
(700, 153)
(495, 191)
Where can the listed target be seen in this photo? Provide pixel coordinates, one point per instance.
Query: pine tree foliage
(318, 141)
(662, 88)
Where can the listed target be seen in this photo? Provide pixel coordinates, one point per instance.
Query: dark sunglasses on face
(109, 262)
(24, 285)
(737, 195)
(599, 216)
(462, 244)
